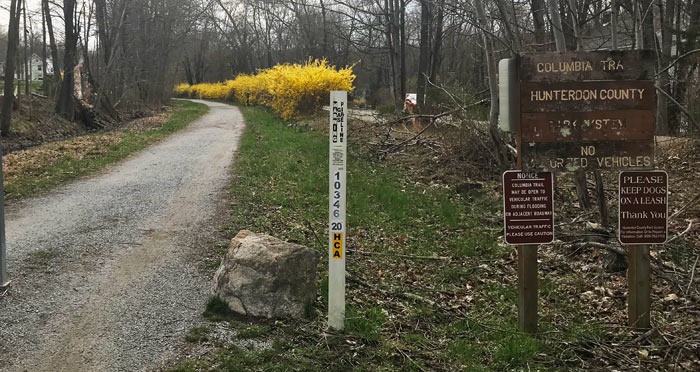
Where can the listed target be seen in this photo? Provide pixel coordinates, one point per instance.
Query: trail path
(105, 270)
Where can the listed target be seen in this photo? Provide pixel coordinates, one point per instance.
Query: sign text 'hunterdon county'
(528, 208)
(587, 110)
(643, 207)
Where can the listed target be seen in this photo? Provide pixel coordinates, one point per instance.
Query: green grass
(280, 187)
(68, 168)
(365, 323)
(34, 86)
(246, 331)
(217, 309)
(41, 259)
(197, 334)
(287, 169)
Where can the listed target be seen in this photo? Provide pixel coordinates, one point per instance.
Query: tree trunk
(538, 12)
(613, 23)
(402, 36)
(324, 29)
(65, 100)
(103, 30)
(666, 18)
(43, 45)
(647, 25)
(575, 24)
(584, 199)
(26, 49)
(493, 83)
(602, 201)
(513, 34)
(557, 29)
(685, 66)
(12, 45)
(52, 47)
(437, 42)
(424, 57)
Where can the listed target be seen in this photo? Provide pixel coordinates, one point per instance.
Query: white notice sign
(337, 157)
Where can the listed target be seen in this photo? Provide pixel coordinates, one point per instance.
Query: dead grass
(44, 166)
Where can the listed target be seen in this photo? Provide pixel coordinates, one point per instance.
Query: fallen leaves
(20, 163)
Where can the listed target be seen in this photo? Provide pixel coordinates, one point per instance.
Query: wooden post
(527, 288)
(638, 279)
(527, 274)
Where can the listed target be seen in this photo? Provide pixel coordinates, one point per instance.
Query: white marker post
(338, 140)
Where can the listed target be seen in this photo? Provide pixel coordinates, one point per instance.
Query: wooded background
(115, 53)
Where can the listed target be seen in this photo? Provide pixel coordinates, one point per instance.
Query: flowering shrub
(291, 90)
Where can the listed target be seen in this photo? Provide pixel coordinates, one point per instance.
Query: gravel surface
(105, 272)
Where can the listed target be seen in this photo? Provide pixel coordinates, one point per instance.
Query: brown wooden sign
(580, 66)
(528, 207)
(621, 125)
(587, 95)
(587, 110)
(643, 207)
(588, 155)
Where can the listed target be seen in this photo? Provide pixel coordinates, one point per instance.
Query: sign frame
(550, 179)
(593, 86)
(619, 211)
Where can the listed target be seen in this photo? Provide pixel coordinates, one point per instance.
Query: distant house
(36, 69)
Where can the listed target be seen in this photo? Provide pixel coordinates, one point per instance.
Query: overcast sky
(33, 10)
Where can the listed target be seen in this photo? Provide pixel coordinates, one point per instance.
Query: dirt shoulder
(106, 274)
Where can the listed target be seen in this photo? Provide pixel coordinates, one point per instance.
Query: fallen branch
(399, 255)
(644, 336)
(676, 61)
(680, 106)
(408, 140)
(686, 206)
(608, 247)
(400, 294)
(692, 275)
(690, 225)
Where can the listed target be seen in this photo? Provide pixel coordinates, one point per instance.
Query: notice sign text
(643, 207)
(528, 207)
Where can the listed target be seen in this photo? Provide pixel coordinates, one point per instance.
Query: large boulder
(263, 276)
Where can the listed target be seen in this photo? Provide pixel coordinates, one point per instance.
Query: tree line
(106, 54)
(114, 53)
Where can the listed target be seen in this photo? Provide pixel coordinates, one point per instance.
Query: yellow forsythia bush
(291, 90)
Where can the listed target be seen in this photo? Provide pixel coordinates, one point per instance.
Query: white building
(36, 69)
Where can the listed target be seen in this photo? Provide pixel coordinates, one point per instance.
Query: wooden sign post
(642, 221)
(581, 111)
(528, 214)
(337, 161)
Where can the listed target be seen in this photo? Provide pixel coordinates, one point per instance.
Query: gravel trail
(105, 272)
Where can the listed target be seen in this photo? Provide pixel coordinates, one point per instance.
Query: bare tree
(65, 100)
(493, 82)
(12, 45)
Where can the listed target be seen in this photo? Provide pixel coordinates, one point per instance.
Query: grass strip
(468, 322)
(104, 149)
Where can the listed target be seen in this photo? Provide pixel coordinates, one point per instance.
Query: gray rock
(263, 276)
